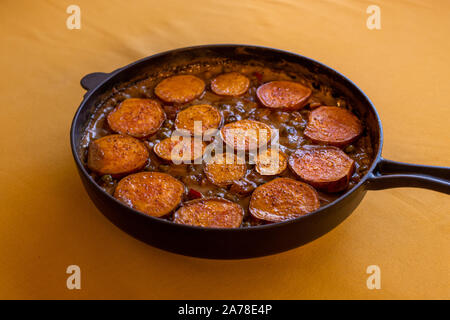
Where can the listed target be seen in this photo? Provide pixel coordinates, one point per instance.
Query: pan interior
(179, 61)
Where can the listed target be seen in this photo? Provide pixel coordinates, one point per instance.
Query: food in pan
(212, 212)
(179, 149)
(224, 169)
(230, 84)
(208, 117)
(117, 155)
(333, 126)
(246, 134)
(325, 168)
(292, 145)
(153, 193)
(270, 162)
(283, 199)
(139, 118)
(180, 89)
(287, 95)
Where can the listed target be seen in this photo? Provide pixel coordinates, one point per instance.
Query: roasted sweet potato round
(153, 193)
(180, 149)
(230, 84)
(117, 155)
(285, 95)
(209, 117)
(283, 199)
(325, 168)
(224, 169)
(270, 162)
(246, 134)
(333, 126)
(211, 213)
(180, 89)
(139, 118)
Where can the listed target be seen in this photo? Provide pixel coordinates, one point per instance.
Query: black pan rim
(113, 74)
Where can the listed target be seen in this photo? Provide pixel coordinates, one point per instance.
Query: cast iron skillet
(259, 240)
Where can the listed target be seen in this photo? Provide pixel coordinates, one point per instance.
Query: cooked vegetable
(223, 169)
(230, 84)
(246, 134)
(117, 155)
(286, 95)
(283, 199)
(180, 89)
(180, 149)
(139, 118)
(209, 118)
(326, 168)
(333, 126)
(211, 212)
(153, 193)
(270, 162)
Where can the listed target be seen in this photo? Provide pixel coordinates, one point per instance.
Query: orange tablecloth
(47, 221)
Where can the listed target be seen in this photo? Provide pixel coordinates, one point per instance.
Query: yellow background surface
(47, 221)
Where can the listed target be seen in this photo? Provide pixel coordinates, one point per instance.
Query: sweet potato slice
(211, 213)
(153, 193)
(283, 199)
(180, 149)
(246, 134)
(285, 95)
(230, 84)
(180, 89)
(326, 168)
(224, 169)
(139, 118)
(209, 117)
(117, 155)
(333, 126)
(270, 162)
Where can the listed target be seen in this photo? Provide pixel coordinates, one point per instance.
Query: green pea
(349, 149)
(107, 178)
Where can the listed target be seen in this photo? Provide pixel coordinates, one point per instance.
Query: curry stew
(324, 148)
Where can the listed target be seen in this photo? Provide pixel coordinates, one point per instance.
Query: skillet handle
(392, 174)
(91, 80)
